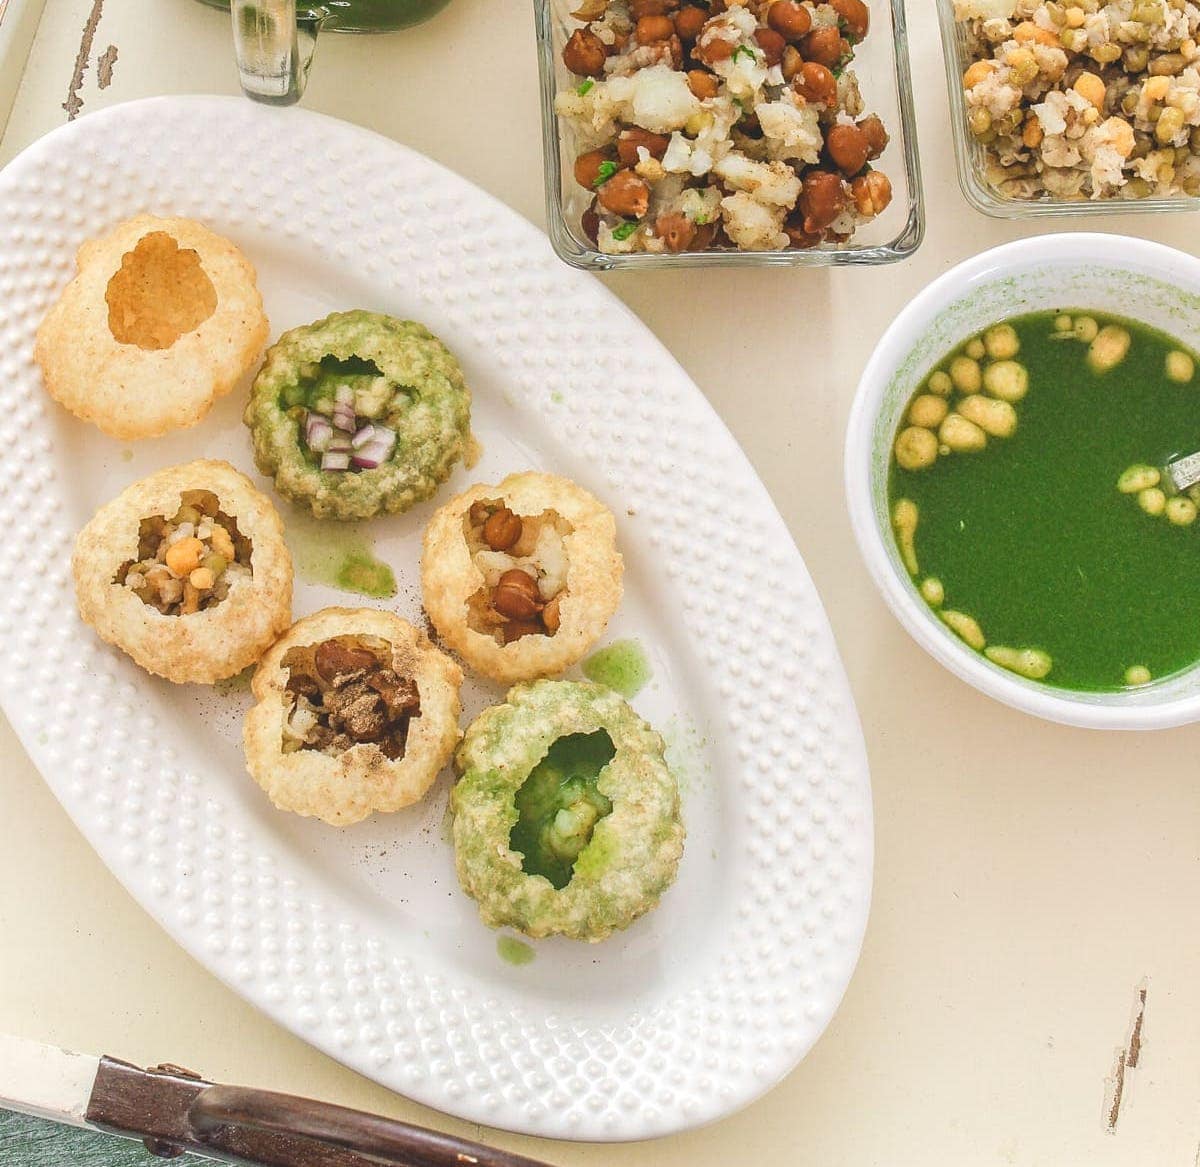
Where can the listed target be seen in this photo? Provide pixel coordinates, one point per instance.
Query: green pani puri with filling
(359, 414)
(566, 816)
(1028, 503)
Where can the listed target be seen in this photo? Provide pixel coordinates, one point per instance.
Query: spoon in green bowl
(1184, 472)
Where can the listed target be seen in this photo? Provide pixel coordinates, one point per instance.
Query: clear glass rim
(968, 155)
(572, 250)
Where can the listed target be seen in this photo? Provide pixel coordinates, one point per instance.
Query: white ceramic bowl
(1102, 273)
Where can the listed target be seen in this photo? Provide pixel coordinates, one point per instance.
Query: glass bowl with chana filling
(1074, 106)
(697, 132)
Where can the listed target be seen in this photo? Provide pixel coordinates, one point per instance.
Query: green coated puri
(566, 816)
(359, 414)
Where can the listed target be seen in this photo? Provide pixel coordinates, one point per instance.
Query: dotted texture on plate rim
(221, 885)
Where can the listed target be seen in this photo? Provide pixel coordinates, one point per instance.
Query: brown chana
(822, 199)
(502, 529)
(772, 45)
(625, 194)
(516, 596)
(872, 193)
(584, 53)
(629, 141)
(855, 17)
(588, 168)
(676, 230)
(848, 148)
(825, 46)
(876, 135)
(651, 29)
(815, 83)
(703, 84)
(689, 20)
(713, 50)
(789, 18)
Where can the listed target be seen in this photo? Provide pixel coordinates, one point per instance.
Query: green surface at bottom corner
(34, 1142)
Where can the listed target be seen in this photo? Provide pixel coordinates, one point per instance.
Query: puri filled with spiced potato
(359, 414)
(566, 816)
(162, 318)
(356, 712)
(187, 572)
(521, 578)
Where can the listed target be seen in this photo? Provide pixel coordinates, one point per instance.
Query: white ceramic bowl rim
(1177, 700)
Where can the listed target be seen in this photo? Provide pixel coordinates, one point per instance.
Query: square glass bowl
(971, 158)
(881, 62)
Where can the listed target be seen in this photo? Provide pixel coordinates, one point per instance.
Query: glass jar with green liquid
(275, 39)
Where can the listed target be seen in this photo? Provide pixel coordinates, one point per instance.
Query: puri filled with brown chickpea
(732, 125)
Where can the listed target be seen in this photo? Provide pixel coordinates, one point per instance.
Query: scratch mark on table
(1127, 1058)
(74, 102)
(104, 66)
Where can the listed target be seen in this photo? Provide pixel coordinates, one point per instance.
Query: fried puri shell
(449, 577)
(432, 434)
(162, 318)
(203, 646)
(347, 788)
(634, 851)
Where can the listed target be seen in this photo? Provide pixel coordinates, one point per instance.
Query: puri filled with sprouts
(187, 572)
(1029, 501)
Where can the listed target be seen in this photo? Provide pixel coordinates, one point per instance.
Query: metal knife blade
(46, 1081)
(174, 1110)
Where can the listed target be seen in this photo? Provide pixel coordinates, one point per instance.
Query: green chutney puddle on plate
(558, 805)
(515, 952)
(338, 555)
(621, 665)
(238, 683)
(1031, 537)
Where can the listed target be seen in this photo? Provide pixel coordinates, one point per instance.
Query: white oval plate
(359, 940)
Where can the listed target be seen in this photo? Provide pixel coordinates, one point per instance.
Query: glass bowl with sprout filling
(1073, 107)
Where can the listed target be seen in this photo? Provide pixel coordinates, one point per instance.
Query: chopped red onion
(317, 432)
(343, 418)
(335, 461)
(339, 443)
(376, 451)
(368, 458)
(363, 436)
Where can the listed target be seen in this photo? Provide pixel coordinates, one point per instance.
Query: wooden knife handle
(387, 1140)
(174, 1110)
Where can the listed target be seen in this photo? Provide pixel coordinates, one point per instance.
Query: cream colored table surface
(1028, 877)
